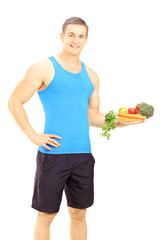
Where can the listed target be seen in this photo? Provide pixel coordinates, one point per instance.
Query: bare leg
(78, 225)
(42, 225)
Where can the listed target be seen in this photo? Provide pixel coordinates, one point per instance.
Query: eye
(71, 35)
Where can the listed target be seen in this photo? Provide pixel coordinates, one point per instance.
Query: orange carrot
(123, 119)
(136, 116)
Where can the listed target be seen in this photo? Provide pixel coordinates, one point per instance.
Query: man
(68, 90)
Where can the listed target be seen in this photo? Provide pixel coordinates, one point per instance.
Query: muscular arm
(96, 118)
(32, 81)
(25, 89)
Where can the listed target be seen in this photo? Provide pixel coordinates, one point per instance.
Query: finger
(54, 141)
(48, 148)
(55, 136)
(52, 144)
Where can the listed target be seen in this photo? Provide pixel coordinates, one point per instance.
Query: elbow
(11, 104)
(90, 122)
(91, 118)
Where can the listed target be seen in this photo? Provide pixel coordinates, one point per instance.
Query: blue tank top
(65, 104)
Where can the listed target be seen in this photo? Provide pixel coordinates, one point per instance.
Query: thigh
(50, 178)
(79, 188)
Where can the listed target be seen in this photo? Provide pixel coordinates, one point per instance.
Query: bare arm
(96, 118)
(24, 90)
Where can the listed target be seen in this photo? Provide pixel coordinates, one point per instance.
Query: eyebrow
(74, 33)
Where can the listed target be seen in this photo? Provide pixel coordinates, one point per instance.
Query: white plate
(131, 122)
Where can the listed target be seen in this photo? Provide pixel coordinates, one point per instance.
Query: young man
(68, 90)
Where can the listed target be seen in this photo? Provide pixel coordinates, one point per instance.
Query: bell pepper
(123, 110)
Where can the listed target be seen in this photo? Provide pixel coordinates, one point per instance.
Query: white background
(123, 48)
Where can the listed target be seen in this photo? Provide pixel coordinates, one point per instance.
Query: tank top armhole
(52, 61)
(86, 73)
(51, 82)
(83, 66)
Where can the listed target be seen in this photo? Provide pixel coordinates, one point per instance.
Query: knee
(46, 218)
(77, 214)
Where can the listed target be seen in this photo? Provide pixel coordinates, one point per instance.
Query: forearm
(19, 114)
(97, 120)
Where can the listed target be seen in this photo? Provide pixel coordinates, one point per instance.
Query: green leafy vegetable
(109, 124)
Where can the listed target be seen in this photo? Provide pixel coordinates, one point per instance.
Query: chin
(74, 53)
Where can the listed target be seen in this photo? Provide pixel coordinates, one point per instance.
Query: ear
(61, 36)
(86, 40)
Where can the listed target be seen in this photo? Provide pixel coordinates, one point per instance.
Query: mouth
(74, 46)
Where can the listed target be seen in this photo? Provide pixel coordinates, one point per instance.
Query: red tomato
(132, 110)
(137, 107)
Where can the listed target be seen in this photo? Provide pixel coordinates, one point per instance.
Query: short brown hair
(74, 20)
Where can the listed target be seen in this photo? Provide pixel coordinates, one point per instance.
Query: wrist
(116, 124)
(32, 135)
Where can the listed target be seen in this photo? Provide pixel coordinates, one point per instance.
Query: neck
(68, 58)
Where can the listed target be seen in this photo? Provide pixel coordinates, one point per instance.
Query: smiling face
(74, 39)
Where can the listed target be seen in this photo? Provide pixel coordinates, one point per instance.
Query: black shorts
(73, 172)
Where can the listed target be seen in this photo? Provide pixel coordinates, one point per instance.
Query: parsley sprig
(109, 124)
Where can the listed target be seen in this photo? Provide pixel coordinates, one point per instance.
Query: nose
(75, 40)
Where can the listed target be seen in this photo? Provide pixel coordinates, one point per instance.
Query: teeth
(74, 46)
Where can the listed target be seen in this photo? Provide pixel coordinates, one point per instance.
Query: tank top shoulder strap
(58, 66)
(84, 68)
(54, 62)
(83, 65)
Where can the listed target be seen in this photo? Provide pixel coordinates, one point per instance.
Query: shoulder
(93, 76)
(41, 71)
(42, 67)
(44, 64)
